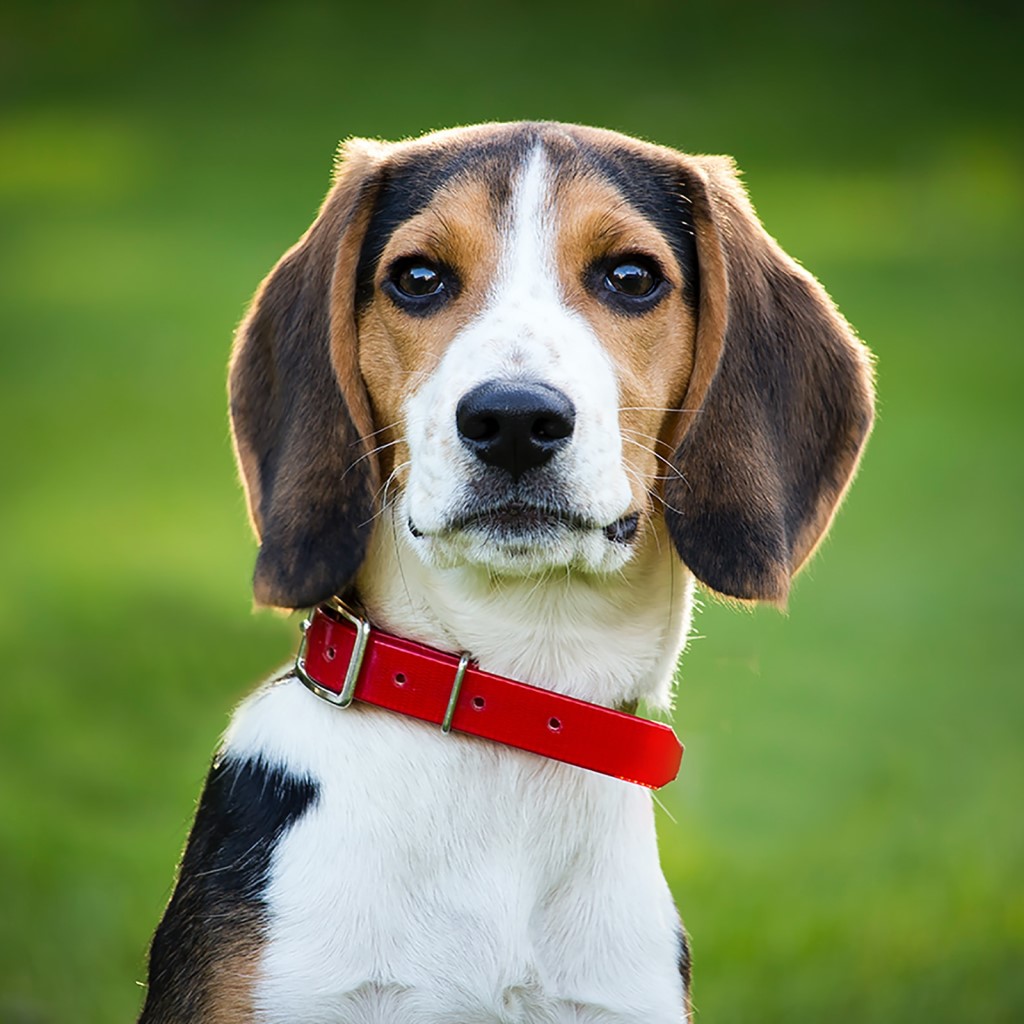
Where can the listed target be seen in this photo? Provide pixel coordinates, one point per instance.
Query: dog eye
(418, 280)
(632, 278)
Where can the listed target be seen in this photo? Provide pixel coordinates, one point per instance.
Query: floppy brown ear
(785, 400)
(299, 410)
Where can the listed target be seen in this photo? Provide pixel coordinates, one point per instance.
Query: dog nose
(515, 426)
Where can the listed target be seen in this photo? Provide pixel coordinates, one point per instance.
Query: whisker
(366, 455)
(647, 437)
(382, 493)
(651, 408)
(653, 496)
(398, 550)
(640, 433)
(392, 476)
(650, 451)
(373, 433)
(664, 504)
(661, 804)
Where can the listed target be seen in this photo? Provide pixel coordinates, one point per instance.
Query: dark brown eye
(631, 278)
(420, 286)
(418, 280)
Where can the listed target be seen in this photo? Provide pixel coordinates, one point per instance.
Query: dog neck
(611, 639)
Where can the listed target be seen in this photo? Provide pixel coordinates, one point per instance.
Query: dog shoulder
(205, 955)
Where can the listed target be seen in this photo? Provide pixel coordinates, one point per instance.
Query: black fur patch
(685, 962)
(736, 549)
(245, 809)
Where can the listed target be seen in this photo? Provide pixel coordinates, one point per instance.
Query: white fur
(525, 332)
(448, 879)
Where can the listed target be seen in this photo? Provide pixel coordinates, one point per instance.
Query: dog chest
(443, 878)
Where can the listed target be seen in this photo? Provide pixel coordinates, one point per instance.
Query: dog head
(530, 341)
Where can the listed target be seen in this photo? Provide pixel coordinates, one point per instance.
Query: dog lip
(518, 516)
(623, 530)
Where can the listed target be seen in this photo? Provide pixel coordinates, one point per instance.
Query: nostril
(552, 428)
(479, 428)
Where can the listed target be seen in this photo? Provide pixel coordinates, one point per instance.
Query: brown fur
(215, 982)
(595, 222)
(397, 351)
(231, 988)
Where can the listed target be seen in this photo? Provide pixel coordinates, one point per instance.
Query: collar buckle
(344, 697)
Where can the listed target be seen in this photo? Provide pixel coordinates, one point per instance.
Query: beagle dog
(517, 388)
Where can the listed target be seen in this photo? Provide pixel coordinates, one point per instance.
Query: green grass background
(846, 840)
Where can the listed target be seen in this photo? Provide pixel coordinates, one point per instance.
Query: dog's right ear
(300, 415)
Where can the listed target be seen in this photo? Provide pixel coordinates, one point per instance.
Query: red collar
(342, 659)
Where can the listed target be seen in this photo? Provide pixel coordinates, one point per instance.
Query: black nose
(515, 426)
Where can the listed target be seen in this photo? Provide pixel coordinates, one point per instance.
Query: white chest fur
(448, 879)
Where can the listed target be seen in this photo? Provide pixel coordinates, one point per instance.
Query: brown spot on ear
(784, 390)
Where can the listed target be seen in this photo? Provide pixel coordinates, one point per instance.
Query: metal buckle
(355, 662)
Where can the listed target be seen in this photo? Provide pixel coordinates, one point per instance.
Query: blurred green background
(846, 840)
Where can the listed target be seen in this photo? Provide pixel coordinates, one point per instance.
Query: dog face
(536, 340)
(524, 308)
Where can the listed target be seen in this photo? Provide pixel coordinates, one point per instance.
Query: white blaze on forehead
(525, 332)
(528, 255)
(526, 312)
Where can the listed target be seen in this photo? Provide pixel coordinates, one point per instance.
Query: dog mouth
(519, 521)
(623, 530)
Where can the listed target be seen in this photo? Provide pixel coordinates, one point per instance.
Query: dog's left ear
(299, 411)
(778, 408)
